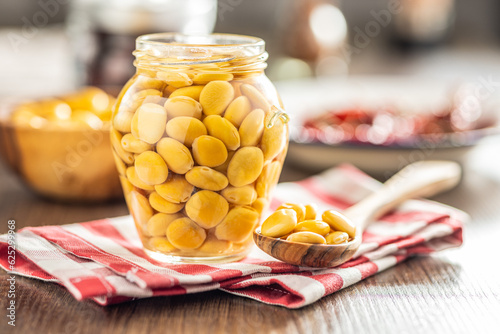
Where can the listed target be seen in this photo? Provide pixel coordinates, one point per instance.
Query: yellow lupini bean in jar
(252, 128)
(175, 79)
(207, 208)
(336, 237)
(223, 130)
(185, 129)
(274, 138)
(256, 98)
(245, 166)
(176, 155)
(298, 208)
(204, 78)
(182, 106)
(116, 138)
(279, 223)
(209, 151)
(260, 204)
(151, 168)
(245, 195)
(238, 110)
(214, 246)
(216, 96)
(136, 180)
(161, 244)
(176, 189)
(223, 168)
(191, 91)
(306, 237)
(162, 205)
(134, 145)
(149, 122)
(183, 233)
(140, 208)
(139, 98)
(157, 224)
(207, 178)
(144, 82)
(120, 165)
(339, 222)
(238, 224)
(268, 178)
(123, 121)
(316, 226)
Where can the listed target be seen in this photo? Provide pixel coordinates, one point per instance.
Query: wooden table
(457, 291)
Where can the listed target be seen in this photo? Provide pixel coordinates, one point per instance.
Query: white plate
(305, 99)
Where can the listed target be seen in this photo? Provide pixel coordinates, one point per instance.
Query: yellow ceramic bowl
(71, 163)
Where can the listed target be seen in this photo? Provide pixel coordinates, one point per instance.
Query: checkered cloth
(103, 260)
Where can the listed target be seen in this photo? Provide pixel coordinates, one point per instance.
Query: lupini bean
(245, 195)
(316, 226)
(279, 223)
(161, 244)
(268, 178)
(185, 129)
(274, 138)
(252, 128)
(176, 189)
(140, 208)
(223, 130)
(136, 180)
(134, 145)
(191, 91)
(116, 138)
(162, 205)
(238, 110)
(207, 208)
(149, 122)
(175, 79)
(214, 246)
(176, 155)
(306, 237)
(311, 211)
(158, 223)
(206, 178)
(256, 98)
(183, 233)
(245, 166)
(298, 208)
(151, 168)
(337, 237)
(216, 96)
(238, 224)
(182, 106)
(204, 78)
(339, 222)
(123, 120)
(209, 151)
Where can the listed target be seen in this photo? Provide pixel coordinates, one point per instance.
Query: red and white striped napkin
(103, 260)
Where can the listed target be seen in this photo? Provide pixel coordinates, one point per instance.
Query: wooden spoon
(420, 179)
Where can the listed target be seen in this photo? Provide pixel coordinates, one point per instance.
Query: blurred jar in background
(103, 33)
(424, 22)
(317, 33)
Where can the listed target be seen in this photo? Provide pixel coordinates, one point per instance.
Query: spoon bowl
(420, 179)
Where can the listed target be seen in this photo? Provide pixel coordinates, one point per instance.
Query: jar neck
(207, 53)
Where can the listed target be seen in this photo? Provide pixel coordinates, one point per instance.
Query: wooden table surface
(457, 291)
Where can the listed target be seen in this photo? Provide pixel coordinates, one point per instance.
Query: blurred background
(430, 57)
(63, 42)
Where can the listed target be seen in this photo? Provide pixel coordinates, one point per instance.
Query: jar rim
(197, 47)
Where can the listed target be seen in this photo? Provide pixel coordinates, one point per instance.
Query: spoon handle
(420, 179)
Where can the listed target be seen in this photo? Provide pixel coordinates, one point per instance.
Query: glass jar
(199, 137)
